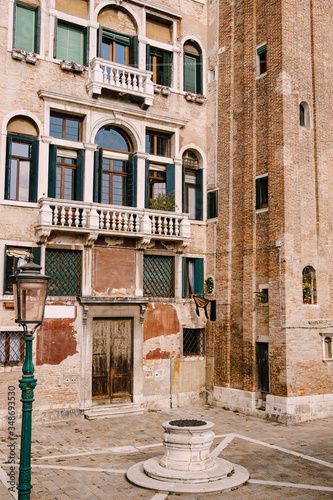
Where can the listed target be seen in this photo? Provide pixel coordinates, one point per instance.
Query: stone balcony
(93, 219)
(120, 79)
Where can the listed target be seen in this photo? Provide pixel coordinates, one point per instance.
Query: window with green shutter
(192, 68)
(159, 63)
(26, 27)
(193, 277)
(212, 204)
(21, 176)
(71, 43)
(14, 258)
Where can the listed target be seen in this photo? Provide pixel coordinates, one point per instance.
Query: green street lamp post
(29, 290)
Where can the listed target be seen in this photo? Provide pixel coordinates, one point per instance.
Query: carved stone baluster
(84, 218)
(135, 82)
(111, 76)
(177, 227)
(62, 216)
(123, 79)
(114, 221)
(137, 223)
(55, 215)
(117, 78)
(107, 220)
(101, 220)
(153, 224)
(77, 218)
(129, 81)
(131, 223)
(125, 219)
(159, 225)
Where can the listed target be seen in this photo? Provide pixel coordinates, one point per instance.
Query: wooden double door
(112, 359)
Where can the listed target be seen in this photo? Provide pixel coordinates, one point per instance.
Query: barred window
(64, 267)
(193, 341)
(158, 276)
(11, 348)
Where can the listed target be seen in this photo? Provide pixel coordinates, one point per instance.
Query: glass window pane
(159, 70)
(191, 276)
(162, 146)
(192, 202)
(106, 49)
(15, 347)
(120, 54)
(159, 188)
(118, 190)
(2, 347)
(150, 144)
(72, 130)
(119, 166)
(190, 178)
(58, 181)
(24, 180)
(68, 183)
(109, 138)
(13, 179)
(105, 195)
(21, 149)
(56, 126)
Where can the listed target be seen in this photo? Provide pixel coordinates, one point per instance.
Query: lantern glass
(32, 301)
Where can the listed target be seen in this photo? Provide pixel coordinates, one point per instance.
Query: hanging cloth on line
(203, 303)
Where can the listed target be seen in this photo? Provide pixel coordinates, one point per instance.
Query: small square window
(261, 192)
(212, 204)
(157, 144)
(11, 348)
(65, 127)
(262, 60)
(193, 341)
(193, 277)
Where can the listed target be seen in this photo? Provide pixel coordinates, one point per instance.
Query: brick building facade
(145, 147)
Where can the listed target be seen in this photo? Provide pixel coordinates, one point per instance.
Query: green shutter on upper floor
(26, 24)
(98, 171)
(170, 179)
(183, 190)
(148, 57)
(71, 43)
(79, 179)
(190, 78)
(166, 69)
(199, 276)
(184, 277)
(36, 252)
(199, 193)
(132, 181)
(258, 198)
(199, 75)
(8, 166)
(147, 184)
(134, 52)
(262, 49)
(33, 192)
(52, 171)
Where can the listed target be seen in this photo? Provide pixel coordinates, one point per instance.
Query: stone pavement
(82, 459)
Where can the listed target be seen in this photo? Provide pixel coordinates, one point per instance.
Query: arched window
(21, 179)
(304, 115)
(118, 47)
(115, 167)
(192, 185)
(309, 285)
(192, 68)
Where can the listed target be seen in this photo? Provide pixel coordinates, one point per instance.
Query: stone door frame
(109, 308)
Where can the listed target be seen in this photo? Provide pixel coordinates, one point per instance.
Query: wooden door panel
(121, 359)
(100, 370)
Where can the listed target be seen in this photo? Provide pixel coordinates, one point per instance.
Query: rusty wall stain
(160, 319)
(55, 341)
(158, 354)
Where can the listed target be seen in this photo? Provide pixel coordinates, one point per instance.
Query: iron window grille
(158, 276)
(193, 341)
(64, 267)
(11, 348)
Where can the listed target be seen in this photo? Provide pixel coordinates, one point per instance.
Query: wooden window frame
(187, 186)
(66, 166)
(65, 117)
(156, 135)
(155, 178)
(111, 173)
(19, 159)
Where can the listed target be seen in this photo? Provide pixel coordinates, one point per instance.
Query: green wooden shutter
(99, 41)
(71, 42)
(37, 33)
(25, 29)
(55, 38)
(262, 49)
(132, 181)
(148, 57)
(134, 52)
(36, 252)
(184, 277)
(166, 69)
(52, 171)
(190, 79)
(98, 171)
(79, 177)
(147, 184)
(86, 46)
(199, 193)
(170, 179)
(258, 197)
(34, 171)
(209, 197)
(199, 277)
(199, 74)
(183, 190)
(8, 165)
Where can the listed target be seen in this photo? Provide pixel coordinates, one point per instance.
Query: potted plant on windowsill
(17, 54)
(165, 90)
(157, 88)
(189, 96)
(31, 57)
(200, 98)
